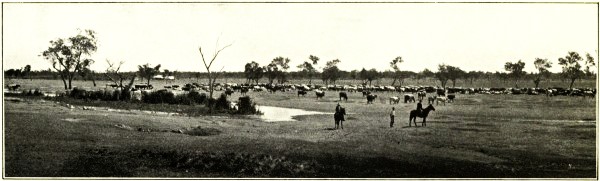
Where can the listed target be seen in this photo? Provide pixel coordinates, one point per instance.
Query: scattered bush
(197, 97)
(31, 92)
(158, 97)
(220, 105)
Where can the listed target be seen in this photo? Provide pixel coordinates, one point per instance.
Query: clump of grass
(199, 131)
(240, 164)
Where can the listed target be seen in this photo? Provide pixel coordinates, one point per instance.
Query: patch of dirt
(122, 126)
(73, 120)
(472, 129)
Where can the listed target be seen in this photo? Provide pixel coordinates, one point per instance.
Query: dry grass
(476, 136)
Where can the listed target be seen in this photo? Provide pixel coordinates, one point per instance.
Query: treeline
(70, 58)
(296, 75)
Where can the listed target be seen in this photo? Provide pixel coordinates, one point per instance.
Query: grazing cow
(550, 92)
(588, 94)
(319, 94)
(394, 100)
(421, 95)
(451, 97)
(143, 86)
(409, 98)
(441, 92)
(370, 98)
(440, 99)
(301, 92)
(424, 113)
(13, 87)
(343, 95)
(228, 91)
(431, 99)
(244, 90)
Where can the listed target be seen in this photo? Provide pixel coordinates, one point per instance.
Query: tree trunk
(572, 81)
(394, 82)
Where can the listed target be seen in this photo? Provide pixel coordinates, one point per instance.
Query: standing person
(392, 115)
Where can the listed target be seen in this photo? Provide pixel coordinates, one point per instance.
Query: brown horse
(414, 114)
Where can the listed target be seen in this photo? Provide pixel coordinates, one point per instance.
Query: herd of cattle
(409, 93)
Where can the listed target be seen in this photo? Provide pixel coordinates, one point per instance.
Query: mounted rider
(420, 108)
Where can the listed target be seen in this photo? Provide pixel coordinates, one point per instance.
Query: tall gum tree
(69, 55)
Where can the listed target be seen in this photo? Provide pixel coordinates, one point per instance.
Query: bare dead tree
(207, 65)
(113, 74)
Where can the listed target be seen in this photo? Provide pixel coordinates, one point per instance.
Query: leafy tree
(68, 55)
(26, 72)
(542, 65)
(372, 75)
(454, 73)
(86, 73)
(331, 72)
(283, 66)
(147, 72)
(253, 71)
(516, 70)
(572, 67)
(590, 62)
(10, 73)
(308, 67)
(394, 64)
(443, 74)
(272, 71)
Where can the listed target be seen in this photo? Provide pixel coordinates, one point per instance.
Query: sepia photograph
(300, 90)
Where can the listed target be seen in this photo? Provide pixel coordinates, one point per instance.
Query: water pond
(276, 114)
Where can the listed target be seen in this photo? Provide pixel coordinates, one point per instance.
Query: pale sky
(471, 36)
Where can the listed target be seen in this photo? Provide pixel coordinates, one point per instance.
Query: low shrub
(197, 97)
(246, 106)
(220, 104)
(158, 97)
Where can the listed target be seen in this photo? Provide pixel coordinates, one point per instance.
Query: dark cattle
(13, 86)
(343, 95)
(244, 90)
(441, 92)
(451, 97)
(409, 98)
(319, 94)
(228, 91)
(394, 100)
(370, 98)
(143, 86)
(421, 95)
(589, 94)
(431, 99)
(301, 92)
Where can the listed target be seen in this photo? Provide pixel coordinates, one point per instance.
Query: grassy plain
(478, 136)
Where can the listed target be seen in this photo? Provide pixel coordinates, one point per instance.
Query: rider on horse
(419, 107)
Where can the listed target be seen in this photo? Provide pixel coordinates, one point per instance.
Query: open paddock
(475, 136)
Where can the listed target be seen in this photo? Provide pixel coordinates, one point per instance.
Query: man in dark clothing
(419, 107)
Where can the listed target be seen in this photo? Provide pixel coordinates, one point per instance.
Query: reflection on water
(274, 114)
